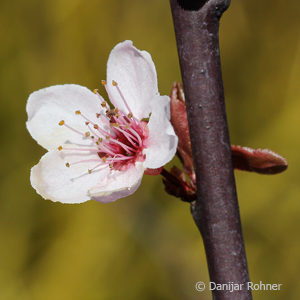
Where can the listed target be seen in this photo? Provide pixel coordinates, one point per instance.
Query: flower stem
(216, 211)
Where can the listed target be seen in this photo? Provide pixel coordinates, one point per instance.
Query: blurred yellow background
(145, 246)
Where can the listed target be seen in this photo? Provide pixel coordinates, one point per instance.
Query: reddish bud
(262, 161)
(180, 124)
(176, 184)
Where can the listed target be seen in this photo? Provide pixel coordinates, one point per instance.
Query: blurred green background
(145, 246)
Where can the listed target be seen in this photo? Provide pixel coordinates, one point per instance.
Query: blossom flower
(96, 151)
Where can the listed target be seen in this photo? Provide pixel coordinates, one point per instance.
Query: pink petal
(135, 74)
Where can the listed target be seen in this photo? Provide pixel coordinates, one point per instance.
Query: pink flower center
(118, 138)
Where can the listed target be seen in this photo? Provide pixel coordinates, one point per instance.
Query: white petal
(118, 184)
(162, 140)
(53, 180)
(47, 107)
(135, 73)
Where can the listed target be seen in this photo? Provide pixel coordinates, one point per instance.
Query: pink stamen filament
(137, 136)
(122, 96)
(98, 127)
(73, 129)
(128, 136)
(125, 147)
(81, 149)
(119, 159)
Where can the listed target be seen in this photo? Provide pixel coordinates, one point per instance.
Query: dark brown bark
(216, 211)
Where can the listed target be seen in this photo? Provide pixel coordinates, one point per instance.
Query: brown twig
(216, 211)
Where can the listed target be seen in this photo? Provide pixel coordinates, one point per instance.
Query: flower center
(118, 138)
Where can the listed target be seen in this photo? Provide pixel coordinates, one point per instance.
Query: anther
(60, 148)
(95, 91)
(107, 137)
(130, 115)
(87, 123)
(67, 165)
(104, 158)
(77, 112)
(90, 171)
(103, 104)
(103, 82)
(98, 115)
(96, 126)
(61, 123)
(87, 134)
(114, 83)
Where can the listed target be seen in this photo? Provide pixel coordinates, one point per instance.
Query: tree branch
(216, 211)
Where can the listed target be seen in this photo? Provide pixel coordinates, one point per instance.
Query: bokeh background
(145, 246)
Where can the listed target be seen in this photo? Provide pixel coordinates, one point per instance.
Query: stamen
(99, 129)
(129, 136)
(60, 148)
(77, 112)
(82, 149)
(137, 136)
(61, 123)
(125, 147)
(98, 165)
(119, 159)
(114, 83)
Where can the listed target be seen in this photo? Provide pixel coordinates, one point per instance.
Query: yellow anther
(67, 165)
(87, 134)
(92, 137)
(114, 83)
(107, 137)
(90, 171)
(96, 126)
(130, 115)
(103, 82)
(100, 140)
(103, 104)
(95, 91)
(61, 123)
(104, 158)
(116, 110)
(98, 115)
(87, 123)
(77, 112)
(60, 148)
